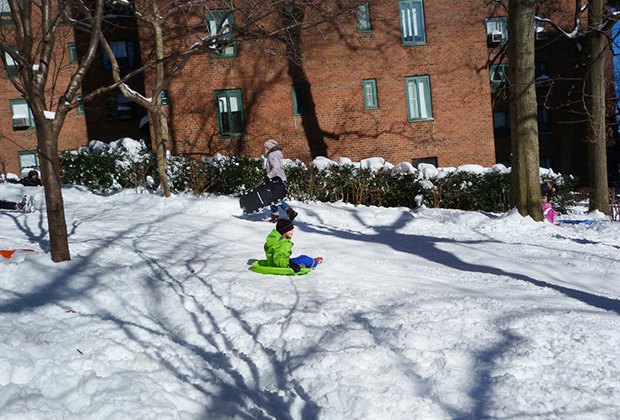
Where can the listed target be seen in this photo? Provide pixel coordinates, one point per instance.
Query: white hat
(270, 144)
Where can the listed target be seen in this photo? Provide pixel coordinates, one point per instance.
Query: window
(363, 18)
(497, 30)
(370, 94)
(116, 9)
(124, 51)
(28, 159)
(120, 108)
(542, 78)
(11, 65)
(497, 74)
(501, 123)
(5, 11)
(221, 24)
(545, 162)
(412, 22)
(22, 115)
(229, 112)
(539, 31)
(431, 160)
(544, 121)
(419, 98)
(73, 53)
(300, 99)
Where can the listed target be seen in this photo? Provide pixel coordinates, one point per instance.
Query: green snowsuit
(278, 249)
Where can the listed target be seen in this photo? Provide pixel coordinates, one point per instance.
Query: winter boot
(274, 218)
(23, 205)
(292, 214)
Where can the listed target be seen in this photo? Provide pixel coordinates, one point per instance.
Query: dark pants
(7, 205)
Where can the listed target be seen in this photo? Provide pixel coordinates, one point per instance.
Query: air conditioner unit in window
(21, 122)
(541, 35)
(495, 38)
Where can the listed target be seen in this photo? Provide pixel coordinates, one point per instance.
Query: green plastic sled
(261, 267)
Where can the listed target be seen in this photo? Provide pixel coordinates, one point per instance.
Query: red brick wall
(73, 134)
(334, 64)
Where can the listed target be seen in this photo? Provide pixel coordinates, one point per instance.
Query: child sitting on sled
(547, 210)
(278, 246)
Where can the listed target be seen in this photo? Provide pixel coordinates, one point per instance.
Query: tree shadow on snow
(428, 247)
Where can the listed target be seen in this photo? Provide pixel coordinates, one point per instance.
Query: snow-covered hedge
(127, 164)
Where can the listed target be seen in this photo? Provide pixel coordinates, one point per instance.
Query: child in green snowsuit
(278, 248)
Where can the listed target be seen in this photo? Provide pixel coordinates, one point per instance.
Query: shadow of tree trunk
(315, 136)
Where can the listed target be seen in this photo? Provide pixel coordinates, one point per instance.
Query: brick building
(393, 80)
(405, 80)
(18, 142)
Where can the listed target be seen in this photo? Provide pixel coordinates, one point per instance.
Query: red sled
(8, 253)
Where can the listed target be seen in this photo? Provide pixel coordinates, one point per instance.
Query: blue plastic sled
(261, 267)
(577, 222)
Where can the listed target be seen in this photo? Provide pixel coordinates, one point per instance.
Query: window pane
(4, 6)
(9, 60)
(230, 112)
(28, 160)
(20, 110)
(412, 21)
(419, 97)
(413, 99)
(363, 17)
(422, 92)
(500, 120)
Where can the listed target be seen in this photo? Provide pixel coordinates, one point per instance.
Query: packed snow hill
(413, 314)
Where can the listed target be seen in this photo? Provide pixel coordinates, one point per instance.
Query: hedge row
(110, 170)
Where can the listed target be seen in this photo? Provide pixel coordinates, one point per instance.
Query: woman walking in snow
(275, 169)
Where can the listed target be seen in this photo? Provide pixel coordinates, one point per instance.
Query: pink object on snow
(548, 212)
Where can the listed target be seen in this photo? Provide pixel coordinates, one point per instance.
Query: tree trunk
(160, 130)
(160, 120)
(50, 170)
(525, 177)
(595, 105)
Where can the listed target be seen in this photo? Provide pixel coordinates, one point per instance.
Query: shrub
(105, 169)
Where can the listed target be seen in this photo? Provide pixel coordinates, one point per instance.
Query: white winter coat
(273, 165)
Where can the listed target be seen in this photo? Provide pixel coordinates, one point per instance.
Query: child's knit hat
(284, 225)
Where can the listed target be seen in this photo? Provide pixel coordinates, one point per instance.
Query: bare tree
(37, 32)
(523, 109)
(175, 30)
(594, 92)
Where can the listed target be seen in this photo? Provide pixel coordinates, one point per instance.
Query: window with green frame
(28, 159)
(363, 18)
(300, 99)
(419, 98)
(412, 22)
(73, 53)
(229, 108)
(221, 22)
(497, 30)
(370, 94)
(21, 115)
(497, 75)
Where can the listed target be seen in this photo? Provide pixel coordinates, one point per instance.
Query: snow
(426, 313)
(49, 115)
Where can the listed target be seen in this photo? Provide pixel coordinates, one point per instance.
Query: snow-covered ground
(415, 314)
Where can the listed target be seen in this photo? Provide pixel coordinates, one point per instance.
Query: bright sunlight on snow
(414, 314)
